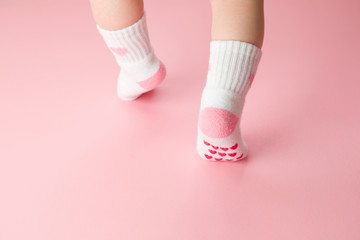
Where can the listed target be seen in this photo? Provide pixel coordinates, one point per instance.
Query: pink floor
(78, 163)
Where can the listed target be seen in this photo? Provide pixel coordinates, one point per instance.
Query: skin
(238, 20)
(116, 14)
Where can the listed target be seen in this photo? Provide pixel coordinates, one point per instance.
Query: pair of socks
(232, 68)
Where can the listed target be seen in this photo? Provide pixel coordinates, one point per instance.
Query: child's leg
(116, 14)
(122, 24)
(241, 20)
(235, 52)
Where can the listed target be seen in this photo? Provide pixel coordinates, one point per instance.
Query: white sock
(232, 67)
(141, 71)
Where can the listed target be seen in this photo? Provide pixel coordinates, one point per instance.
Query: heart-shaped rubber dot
(234, 147)
(212, 151)
(240, 156)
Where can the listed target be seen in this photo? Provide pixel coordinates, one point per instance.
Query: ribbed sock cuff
(232, 65)
(134, 38)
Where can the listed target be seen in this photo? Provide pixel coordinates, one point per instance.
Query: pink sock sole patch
(217, 122)
(153, 81)
(251, 78)
(120, 51)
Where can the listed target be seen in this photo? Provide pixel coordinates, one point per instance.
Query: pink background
(78, 163)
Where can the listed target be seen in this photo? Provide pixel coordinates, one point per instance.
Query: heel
(155, 80)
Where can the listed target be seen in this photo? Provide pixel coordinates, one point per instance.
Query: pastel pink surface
(77, 163)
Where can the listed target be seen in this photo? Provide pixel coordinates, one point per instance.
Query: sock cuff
(232, 65)
(130, 44)
(129, 30)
